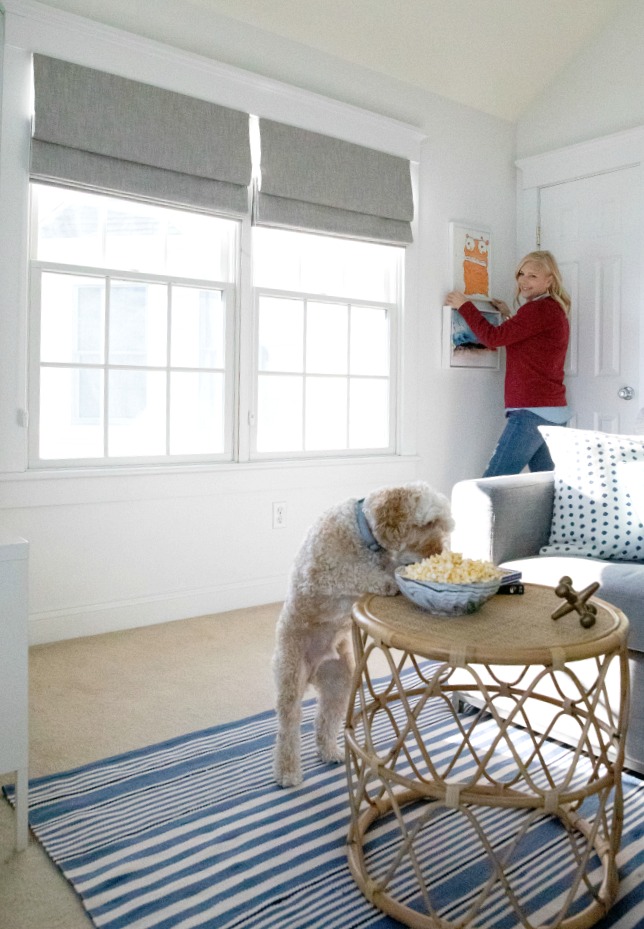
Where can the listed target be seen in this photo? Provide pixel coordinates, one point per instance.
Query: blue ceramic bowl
(446, 599)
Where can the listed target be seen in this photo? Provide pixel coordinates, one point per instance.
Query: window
(326, 317)
(134, 314)
(142, 337)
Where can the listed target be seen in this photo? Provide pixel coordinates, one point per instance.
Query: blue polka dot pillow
(599, 503)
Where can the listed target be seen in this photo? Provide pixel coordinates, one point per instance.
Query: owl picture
(471, 253)
(475, 266)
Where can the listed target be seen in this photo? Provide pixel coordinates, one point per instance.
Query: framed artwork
(471, 265)
(460, 346)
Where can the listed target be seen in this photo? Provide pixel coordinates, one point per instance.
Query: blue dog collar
(364, 529)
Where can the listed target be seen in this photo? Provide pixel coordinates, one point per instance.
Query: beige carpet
(95, 697)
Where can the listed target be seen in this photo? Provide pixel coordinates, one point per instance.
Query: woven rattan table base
(511, 659)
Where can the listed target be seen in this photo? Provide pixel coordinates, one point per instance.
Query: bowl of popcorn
(448, 584)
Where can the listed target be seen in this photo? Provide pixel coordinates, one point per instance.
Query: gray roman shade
(106, 132)
(314, 182)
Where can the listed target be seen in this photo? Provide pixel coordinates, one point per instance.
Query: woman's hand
(455, 299)
(502, 308)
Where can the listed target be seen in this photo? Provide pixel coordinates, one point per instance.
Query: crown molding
(35, 27)
(594, 156)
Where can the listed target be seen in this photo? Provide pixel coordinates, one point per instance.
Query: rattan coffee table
(488, 765)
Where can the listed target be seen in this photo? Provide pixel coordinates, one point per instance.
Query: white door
(593, 227)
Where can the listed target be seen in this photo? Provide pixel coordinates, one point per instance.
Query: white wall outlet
(279, 515)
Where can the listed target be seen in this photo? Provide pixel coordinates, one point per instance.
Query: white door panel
(593, 227)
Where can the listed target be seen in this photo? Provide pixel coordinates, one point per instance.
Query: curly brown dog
(351, 550)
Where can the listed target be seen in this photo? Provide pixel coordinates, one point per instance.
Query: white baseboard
(55, 625)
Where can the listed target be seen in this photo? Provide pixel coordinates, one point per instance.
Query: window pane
(373, 271)
(279, 414)
(323, 264)
(138, 323)
(197, 339)
(136, 365)
(276, 259)
(72, 322)
(369, 340)
(320, 264)
(196, 413)
(343, 341)
(71, 413)
(201, 246)
(137, 413)
(327, 332)
(135, 236)
(80, 228)
(281, 334)
(70, 226)
(369, 413)
(326, 413)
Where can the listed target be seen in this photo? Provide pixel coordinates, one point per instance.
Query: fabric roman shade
(106, 132)
(314, 182)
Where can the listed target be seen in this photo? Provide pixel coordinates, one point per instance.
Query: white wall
(136, 547)
(469, 175)
(599, 93)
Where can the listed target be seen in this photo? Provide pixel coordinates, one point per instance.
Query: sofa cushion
(490, 515)
(597, 510)
(622, 584)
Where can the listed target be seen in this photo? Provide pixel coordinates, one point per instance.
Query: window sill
(77, 486)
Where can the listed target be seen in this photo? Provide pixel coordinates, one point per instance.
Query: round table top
(516, 629)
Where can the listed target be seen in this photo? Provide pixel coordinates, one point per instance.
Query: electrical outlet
(279, 515)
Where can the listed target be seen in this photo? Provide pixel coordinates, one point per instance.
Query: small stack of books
(511, 583)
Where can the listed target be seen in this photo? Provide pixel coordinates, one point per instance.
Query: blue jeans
(520, 444)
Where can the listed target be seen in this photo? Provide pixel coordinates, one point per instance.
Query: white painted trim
(115, 485)
(14, 251)
(584, 159)
(35, 27)
(54, 625)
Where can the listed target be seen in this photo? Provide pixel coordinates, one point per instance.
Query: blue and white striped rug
(193, 833)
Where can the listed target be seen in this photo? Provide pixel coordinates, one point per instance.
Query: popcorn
(452, 568)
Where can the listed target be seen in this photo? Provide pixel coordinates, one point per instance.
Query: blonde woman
(536, 340)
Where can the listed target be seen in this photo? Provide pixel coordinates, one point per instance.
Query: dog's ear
(389, 514)
(394, 511)
(432, 507)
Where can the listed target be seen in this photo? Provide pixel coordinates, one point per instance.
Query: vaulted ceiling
(493, 55)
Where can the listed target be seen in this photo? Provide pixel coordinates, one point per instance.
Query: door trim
(595, 156)
(572, 163)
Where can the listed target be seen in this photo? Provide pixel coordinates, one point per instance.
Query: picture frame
(471, 259)
(461, 349)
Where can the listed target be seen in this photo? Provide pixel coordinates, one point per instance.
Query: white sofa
(508, 520)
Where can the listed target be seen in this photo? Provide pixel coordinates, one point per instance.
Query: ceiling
(493, 55)
(496, 56)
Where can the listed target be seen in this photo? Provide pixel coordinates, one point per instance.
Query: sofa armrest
(502, 518)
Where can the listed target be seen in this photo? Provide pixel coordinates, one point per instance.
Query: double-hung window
(133, 309)
(326, 314)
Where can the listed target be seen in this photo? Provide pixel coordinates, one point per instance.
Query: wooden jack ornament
(576, 601)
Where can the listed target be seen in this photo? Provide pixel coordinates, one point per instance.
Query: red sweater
(536, 340)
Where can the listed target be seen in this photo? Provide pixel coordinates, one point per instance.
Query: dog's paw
(330, 754)
(390, 588)
(287, 778)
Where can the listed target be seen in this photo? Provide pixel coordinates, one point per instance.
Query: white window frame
(393, 314)
(241, 376)
(230, 296)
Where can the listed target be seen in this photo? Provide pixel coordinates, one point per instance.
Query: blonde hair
(548, 262)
